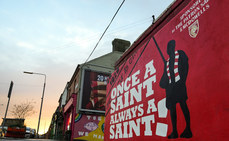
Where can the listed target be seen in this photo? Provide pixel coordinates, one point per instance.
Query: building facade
(85, 95)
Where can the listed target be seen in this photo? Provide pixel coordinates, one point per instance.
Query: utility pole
(9, 95)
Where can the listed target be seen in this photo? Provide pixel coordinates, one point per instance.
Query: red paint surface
(208, 77)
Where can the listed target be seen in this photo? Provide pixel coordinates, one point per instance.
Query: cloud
(82, 36)
(25, 45)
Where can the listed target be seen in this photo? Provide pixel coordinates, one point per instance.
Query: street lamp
(42, 98)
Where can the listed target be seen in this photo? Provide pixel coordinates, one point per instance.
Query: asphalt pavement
(24, 139)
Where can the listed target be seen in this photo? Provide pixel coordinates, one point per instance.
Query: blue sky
(54, 36)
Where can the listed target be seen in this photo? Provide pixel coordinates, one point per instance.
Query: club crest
(91, 126)
(194, 29)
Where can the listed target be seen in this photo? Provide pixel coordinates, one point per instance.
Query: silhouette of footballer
(174, 82)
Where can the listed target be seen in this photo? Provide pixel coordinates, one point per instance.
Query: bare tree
(23, 110)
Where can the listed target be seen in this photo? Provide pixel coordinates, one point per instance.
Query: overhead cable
(105, 31)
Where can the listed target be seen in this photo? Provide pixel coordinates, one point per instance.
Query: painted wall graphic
(78, 117)
(175, 85)
(93, 93)
(174, 82)
(89, 127)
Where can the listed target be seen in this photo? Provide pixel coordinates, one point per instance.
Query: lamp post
(42, 98)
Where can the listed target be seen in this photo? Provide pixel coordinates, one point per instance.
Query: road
(18, 139)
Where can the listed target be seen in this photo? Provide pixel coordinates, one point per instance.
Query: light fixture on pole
(42, 98)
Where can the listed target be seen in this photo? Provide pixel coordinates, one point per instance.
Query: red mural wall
(177, 77)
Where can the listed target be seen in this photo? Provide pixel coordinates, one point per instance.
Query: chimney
(120, 45)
